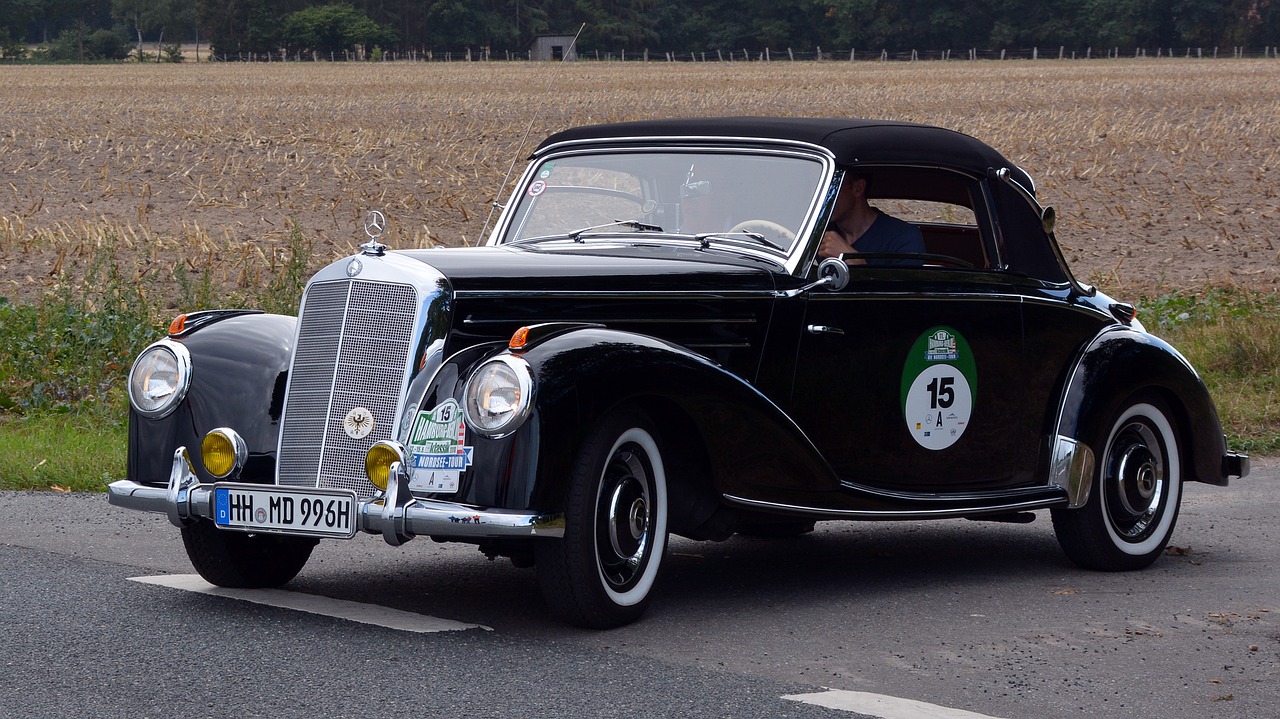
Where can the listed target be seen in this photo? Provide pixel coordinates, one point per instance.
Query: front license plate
(291, 510)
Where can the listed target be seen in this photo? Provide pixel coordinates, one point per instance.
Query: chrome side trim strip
(999, 508)
(469, 320)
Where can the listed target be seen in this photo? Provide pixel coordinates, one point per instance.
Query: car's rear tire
(601, 574)
(1133, 506)
(245, 561)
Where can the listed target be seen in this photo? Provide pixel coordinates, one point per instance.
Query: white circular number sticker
(938, 406)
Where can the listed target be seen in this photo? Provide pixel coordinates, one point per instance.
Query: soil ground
(1164, 172)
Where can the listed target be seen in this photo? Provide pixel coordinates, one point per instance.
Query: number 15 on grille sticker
(939, 382)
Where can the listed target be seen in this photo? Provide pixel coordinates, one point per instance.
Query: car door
(913, 379)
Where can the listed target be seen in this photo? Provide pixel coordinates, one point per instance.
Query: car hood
(597, 267)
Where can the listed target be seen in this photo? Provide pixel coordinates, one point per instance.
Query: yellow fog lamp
(378, 461)
(223, 452)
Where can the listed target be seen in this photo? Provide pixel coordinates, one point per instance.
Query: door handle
(824, 330)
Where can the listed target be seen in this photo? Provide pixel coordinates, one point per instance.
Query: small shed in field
(553, 47)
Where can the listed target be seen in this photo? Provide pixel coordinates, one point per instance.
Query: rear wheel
(602, 573)
(246, 561)
(1133, 505)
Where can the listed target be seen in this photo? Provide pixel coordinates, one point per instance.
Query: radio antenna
(494, 205)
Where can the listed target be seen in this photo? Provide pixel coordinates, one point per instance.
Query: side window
(943, 205)
(949, 229)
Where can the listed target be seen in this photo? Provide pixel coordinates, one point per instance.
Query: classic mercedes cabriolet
(652, 342)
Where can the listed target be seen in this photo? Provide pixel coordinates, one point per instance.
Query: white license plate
(292, 510)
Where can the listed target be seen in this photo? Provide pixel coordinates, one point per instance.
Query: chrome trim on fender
(397, 513)
(1072, 469)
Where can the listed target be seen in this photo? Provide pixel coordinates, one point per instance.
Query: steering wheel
(767, 228)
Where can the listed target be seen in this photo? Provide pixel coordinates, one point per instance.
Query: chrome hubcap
(1135, 480)
(623, 540)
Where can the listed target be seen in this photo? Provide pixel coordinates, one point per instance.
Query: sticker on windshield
(537, 187)
(939, 384)
(546, 170)
(438, 451)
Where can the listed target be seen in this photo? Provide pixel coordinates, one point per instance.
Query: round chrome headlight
(159, 378)
(498, 396)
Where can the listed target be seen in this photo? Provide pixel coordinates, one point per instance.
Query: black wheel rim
(1135, 481)
(624, 515)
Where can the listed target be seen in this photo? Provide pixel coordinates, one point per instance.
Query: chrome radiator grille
(354, 342)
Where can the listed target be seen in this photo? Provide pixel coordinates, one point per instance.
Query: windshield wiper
(636, 225)
(704, 238)
(576, 235)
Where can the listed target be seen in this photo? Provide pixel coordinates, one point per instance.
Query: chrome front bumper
(395, 514)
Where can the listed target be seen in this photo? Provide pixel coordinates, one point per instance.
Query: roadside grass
(1232, 338)
(63, 452)
(65, 358)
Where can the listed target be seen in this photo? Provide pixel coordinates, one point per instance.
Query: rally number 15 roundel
(939, 383)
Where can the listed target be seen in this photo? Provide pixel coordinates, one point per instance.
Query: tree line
(105, 29)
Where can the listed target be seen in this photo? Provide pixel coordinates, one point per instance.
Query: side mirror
(833, 274)
(1048, 219)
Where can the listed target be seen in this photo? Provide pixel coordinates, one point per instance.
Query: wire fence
(1060, 52)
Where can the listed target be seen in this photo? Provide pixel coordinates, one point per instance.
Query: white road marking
(338, 608)
(885, 707)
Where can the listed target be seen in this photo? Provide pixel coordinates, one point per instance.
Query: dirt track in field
(1165, 172)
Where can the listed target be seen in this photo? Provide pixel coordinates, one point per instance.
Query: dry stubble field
(1165, 172)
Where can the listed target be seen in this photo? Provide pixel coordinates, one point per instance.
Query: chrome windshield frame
(791, 259)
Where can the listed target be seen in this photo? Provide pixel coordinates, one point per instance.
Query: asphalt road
(983, 617)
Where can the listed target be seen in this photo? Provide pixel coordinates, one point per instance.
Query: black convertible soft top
(852, 142)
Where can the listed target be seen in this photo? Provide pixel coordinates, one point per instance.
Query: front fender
(1121, 361)
(722, 433)
(238, 371)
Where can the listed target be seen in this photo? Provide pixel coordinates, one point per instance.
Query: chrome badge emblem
(358, 423)
(354, 267)
(375, 223)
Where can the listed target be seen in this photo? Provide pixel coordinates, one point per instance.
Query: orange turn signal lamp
(178, 324)
(519, 339)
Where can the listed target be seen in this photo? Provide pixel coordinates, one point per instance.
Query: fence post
(766, 55)
(884, 55)
(853, 52)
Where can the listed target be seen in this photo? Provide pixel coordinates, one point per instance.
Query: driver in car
(856, 226)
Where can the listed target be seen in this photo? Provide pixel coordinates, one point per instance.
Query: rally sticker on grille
(438, 451)
(939, 384)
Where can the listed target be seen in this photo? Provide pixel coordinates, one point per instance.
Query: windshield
(682, 192)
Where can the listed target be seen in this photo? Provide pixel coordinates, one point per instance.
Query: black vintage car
(650, 343)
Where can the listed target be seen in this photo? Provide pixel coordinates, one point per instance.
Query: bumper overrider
(394, 513)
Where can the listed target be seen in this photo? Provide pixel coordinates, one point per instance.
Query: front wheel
(1133, 505)
(602, 573)
(244, 561)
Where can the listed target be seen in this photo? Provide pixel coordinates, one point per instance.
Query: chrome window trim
(792, 260)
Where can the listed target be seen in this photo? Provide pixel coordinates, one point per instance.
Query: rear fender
(1121, 361)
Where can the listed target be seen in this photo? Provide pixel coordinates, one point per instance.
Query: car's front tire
(244, 561)
(602, 573)
(1133, 506)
